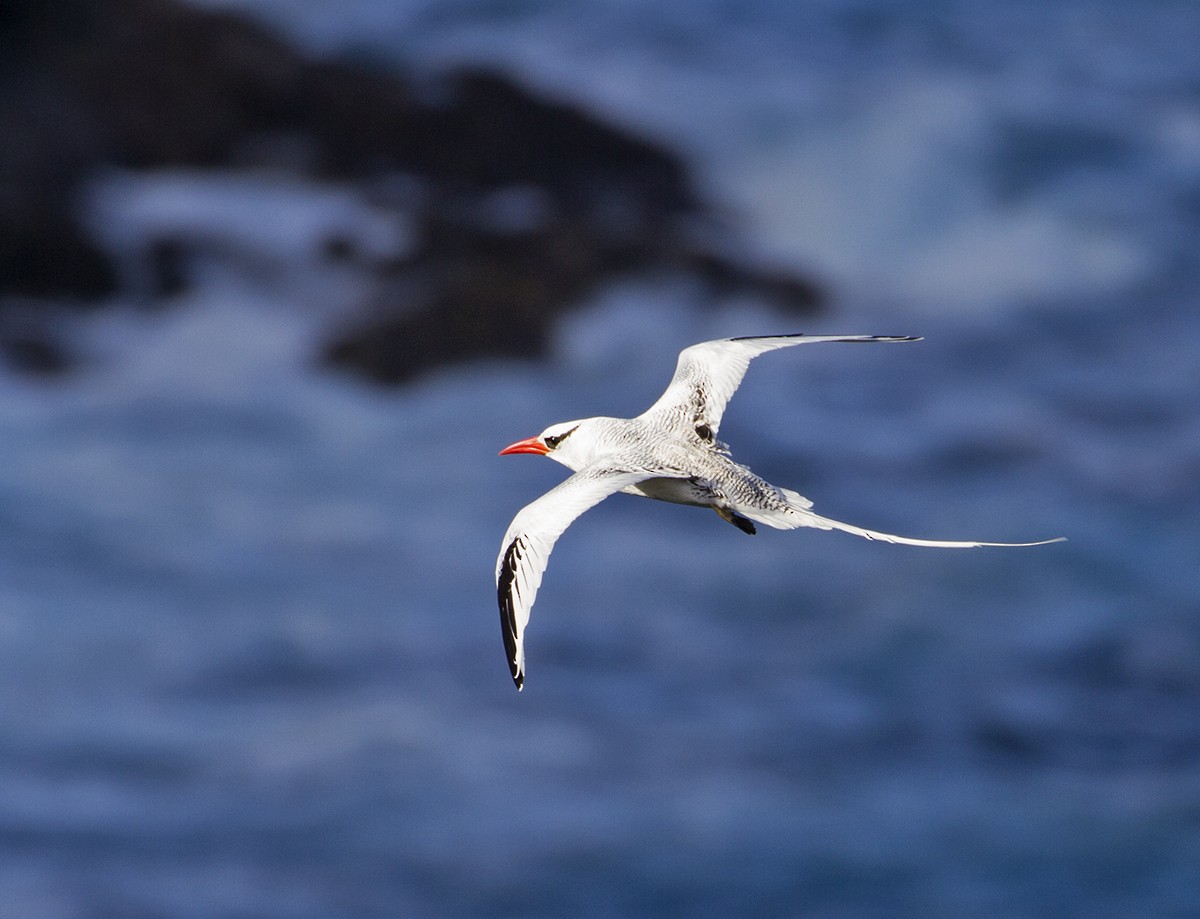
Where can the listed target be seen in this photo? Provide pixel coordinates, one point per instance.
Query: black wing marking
(508, 620)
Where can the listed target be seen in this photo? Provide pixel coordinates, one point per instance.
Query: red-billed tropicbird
(669, 452)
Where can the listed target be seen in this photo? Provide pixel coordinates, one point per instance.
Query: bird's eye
(553, 440)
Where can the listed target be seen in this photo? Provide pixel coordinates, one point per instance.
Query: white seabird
(670, 452)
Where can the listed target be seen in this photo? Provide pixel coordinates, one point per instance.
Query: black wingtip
(508, 622)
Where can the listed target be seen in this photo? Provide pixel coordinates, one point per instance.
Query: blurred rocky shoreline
(519, 205)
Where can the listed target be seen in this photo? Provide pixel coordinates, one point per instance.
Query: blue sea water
(250, 663)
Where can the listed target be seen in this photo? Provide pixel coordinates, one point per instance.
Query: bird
(670, 453)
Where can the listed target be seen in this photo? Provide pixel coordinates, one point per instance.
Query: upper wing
(529, 541)
(708, 374)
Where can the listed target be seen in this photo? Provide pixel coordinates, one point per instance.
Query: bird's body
(670, 453)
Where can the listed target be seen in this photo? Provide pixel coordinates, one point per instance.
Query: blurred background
(278, 280)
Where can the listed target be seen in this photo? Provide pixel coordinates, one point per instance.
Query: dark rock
(28, 342)
(473, 291)
(49, 256)
(478, 295)
(530, 203)
(167, 261)
(532, 140)
(39, 356)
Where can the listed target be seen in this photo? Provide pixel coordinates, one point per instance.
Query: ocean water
(250, 663)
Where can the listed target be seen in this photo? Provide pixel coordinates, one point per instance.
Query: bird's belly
(676, 491)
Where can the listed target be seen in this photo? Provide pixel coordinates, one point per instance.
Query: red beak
(528, 445)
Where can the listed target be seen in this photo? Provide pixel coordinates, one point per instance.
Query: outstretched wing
(529, 541)
(708, 374)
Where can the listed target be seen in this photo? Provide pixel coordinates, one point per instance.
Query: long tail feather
(825, 523)
(799, 514)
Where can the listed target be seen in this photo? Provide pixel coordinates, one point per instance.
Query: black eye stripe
(555, 439)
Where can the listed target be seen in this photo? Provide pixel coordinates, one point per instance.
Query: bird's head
(568, 442)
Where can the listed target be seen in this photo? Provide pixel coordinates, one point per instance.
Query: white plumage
(671, 453)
